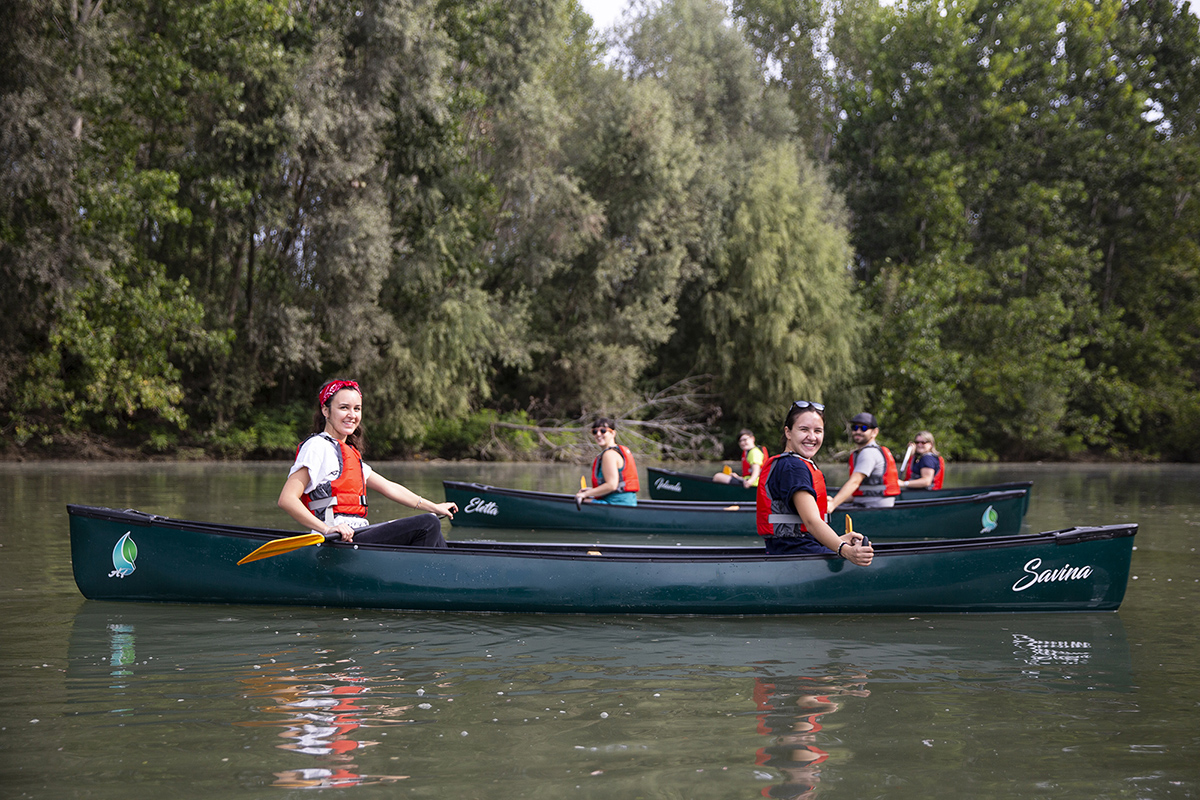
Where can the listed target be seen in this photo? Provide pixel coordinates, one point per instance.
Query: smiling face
(923, 442)
(863, 435)
(745, 441)
(343, 413)
(605, 437)
(806, 435)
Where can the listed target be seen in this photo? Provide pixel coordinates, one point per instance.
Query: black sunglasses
(860, 427)
(808, 404)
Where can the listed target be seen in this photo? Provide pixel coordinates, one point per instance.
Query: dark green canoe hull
(481, 506)
(127, 555)
(666, 484)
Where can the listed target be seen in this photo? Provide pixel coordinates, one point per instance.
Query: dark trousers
(423, 530)
(794, 546)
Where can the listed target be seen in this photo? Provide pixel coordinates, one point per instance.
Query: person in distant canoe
(927, 468)
(752, 461)
(874, 481)
(791, 501)
(327, 486)
(614, 472)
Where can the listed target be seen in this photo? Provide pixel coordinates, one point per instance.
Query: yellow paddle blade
(582, 482)
(280, 546)
(849, 524)
(727, 470)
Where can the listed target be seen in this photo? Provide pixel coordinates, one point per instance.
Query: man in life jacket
(753, 458)
(874, 481)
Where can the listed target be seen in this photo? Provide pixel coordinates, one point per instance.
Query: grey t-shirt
(869, 461)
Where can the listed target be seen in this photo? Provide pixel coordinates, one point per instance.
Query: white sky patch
(603, 12)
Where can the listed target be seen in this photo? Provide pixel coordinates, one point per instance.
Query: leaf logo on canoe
(990, 520)
(124, 554)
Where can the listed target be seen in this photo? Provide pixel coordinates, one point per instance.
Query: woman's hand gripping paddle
(281, 546)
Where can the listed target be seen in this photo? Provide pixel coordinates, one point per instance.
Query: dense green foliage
(980, 218)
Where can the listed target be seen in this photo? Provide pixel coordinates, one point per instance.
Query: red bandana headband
(333, 387)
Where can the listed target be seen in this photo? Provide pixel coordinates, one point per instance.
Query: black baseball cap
(864, 418)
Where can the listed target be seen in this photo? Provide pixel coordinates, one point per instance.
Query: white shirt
(319, 456)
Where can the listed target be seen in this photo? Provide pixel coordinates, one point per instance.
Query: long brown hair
(357, 440)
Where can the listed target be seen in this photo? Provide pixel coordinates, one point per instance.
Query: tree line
(975, 217)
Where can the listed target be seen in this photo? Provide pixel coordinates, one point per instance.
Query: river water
(131, 701)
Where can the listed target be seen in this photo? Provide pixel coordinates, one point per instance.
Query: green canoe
(667, 484)
(481, 506)
(129, 555)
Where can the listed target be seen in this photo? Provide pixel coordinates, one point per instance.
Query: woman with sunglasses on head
(927, 468)
(614, 473)
(327, 486)
(791, 494)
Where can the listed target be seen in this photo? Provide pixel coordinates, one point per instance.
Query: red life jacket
(628, 480)
(937, 477)
(747, 466)
(891, 476)
(348, 488)
(762, 500)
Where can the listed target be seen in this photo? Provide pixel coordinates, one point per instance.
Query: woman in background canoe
(927, 468)
(753, 457)
(614, 473)
(326, 488)
(792, 499)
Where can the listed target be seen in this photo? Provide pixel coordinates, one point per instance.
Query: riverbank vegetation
(976, 217)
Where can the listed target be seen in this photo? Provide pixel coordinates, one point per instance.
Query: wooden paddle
(281, 546)
(907, 455)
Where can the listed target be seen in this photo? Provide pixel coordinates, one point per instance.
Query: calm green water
(105, 700)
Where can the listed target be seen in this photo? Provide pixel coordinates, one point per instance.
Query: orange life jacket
(891, 476)
(348, 489)
(764, 519)
(628, 480)
(937, 477)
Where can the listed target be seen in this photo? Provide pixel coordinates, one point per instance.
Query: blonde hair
(928, 436)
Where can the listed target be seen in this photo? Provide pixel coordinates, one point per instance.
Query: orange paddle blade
(280, 546)
(582, 482)
(849, 524)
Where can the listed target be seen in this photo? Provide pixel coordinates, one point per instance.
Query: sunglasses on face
(922, 441)
(860, 427)
(809, 404)
(597, 431)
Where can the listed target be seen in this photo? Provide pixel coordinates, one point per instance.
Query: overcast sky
(603, 12)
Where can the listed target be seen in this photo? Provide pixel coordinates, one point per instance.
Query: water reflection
(326, 716)
(326, 722)
(791, 711)
(319, 698)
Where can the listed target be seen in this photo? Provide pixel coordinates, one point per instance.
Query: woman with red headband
(327, 486)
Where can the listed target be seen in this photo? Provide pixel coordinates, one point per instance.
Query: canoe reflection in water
(323, 721)
(792, 710)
